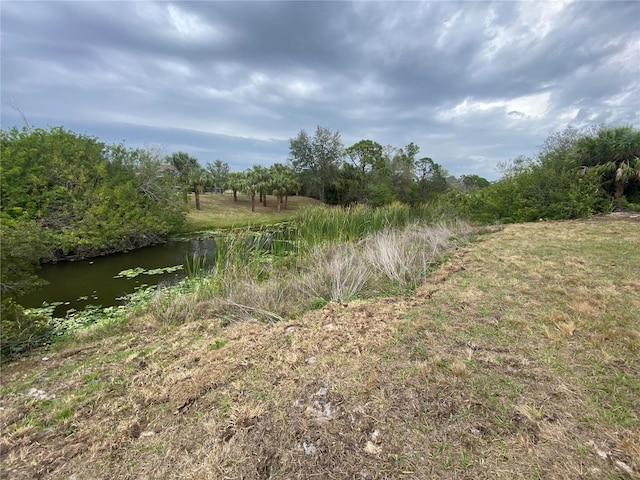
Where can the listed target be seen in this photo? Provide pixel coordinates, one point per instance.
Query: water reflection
(92, 282)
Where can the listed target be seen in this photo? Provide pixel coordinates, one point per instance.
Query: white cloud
(528, 106)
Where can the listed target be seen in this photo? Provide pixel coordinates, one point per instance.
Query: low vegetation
(518, 357)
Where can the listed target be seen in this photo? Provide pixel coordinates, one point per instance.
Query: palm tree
(190, 173)
(197, 178)
(284, 180)
(255, 178)
(235, 181)
(614, 153)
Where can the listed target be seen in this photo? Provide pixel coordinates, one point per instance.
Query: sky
(471, 83)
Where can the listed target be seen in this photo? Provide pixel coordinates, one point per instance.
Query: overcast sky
(471, 83)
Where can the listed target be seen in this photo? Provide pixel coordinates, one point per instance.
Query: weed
(218, 343)
(195, 265)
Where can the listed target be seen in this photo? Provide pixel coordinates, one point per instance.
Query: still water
(93, 282)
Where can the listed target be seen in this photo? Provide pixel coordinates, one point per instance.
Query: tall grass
(328, 254)
(338, 273)
(319, 225)
(390, 261)
(195, 265)
(405, 256)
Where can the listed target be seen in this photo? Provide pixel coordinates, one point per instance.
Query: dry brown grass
(517, 359)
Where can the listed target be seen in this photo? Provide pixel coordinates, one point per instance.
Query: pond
(105, 280)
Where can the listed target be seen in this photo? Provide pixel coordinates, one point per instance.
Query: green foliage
(377, 175)
(366, 160)
(432, 178)
(218, 343)
(332, 225)
(195, 265)
(235, 181)
(256, 180)
(473, 183)
(575, 174)
(65, 195)
(218, 174)
(365, 155)
(137, 271)
(21, 331)
(190, 174)
(86, 197)
(613, 153)
(284, 181)
(23, 244)
(316, 159)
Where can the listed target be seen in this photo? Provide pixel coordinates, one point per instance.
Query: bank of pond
(107, 280)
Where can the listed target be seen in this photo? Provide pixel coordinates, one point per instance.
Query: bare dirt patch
(519, 358)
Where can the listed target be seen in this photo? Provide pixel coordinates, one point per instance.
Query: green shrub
(20, 331)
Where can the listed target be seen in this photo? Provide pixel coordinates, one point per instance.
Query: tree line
(73, 196)
(320, 166)
(368, 172)
(576, 172)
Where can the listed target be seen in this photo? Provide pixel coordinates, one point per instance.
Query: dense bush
(20, 330)
(87, 198)
(575, 174)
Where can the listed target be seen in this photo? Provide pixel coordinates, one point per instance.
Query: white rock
(309, 449)
(372, 449)
(322, 392)
(40, 394)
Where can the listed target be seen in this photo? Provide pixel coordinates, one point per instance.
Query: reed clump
(392, 261)
(324, 254)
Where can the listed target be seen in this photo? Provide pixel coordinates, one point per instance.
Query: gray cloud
(472, 83)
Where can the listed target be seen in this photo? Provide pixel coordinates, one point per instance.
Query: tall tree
(197, 177)
(219, 171)
(402, 170)
(473, 183)
(367, 157)
(365, 154)
(317, 158)
(432, 177)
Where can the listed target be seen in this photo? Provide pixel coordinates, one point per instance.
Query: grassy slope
(220, 211)
(519, 359)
